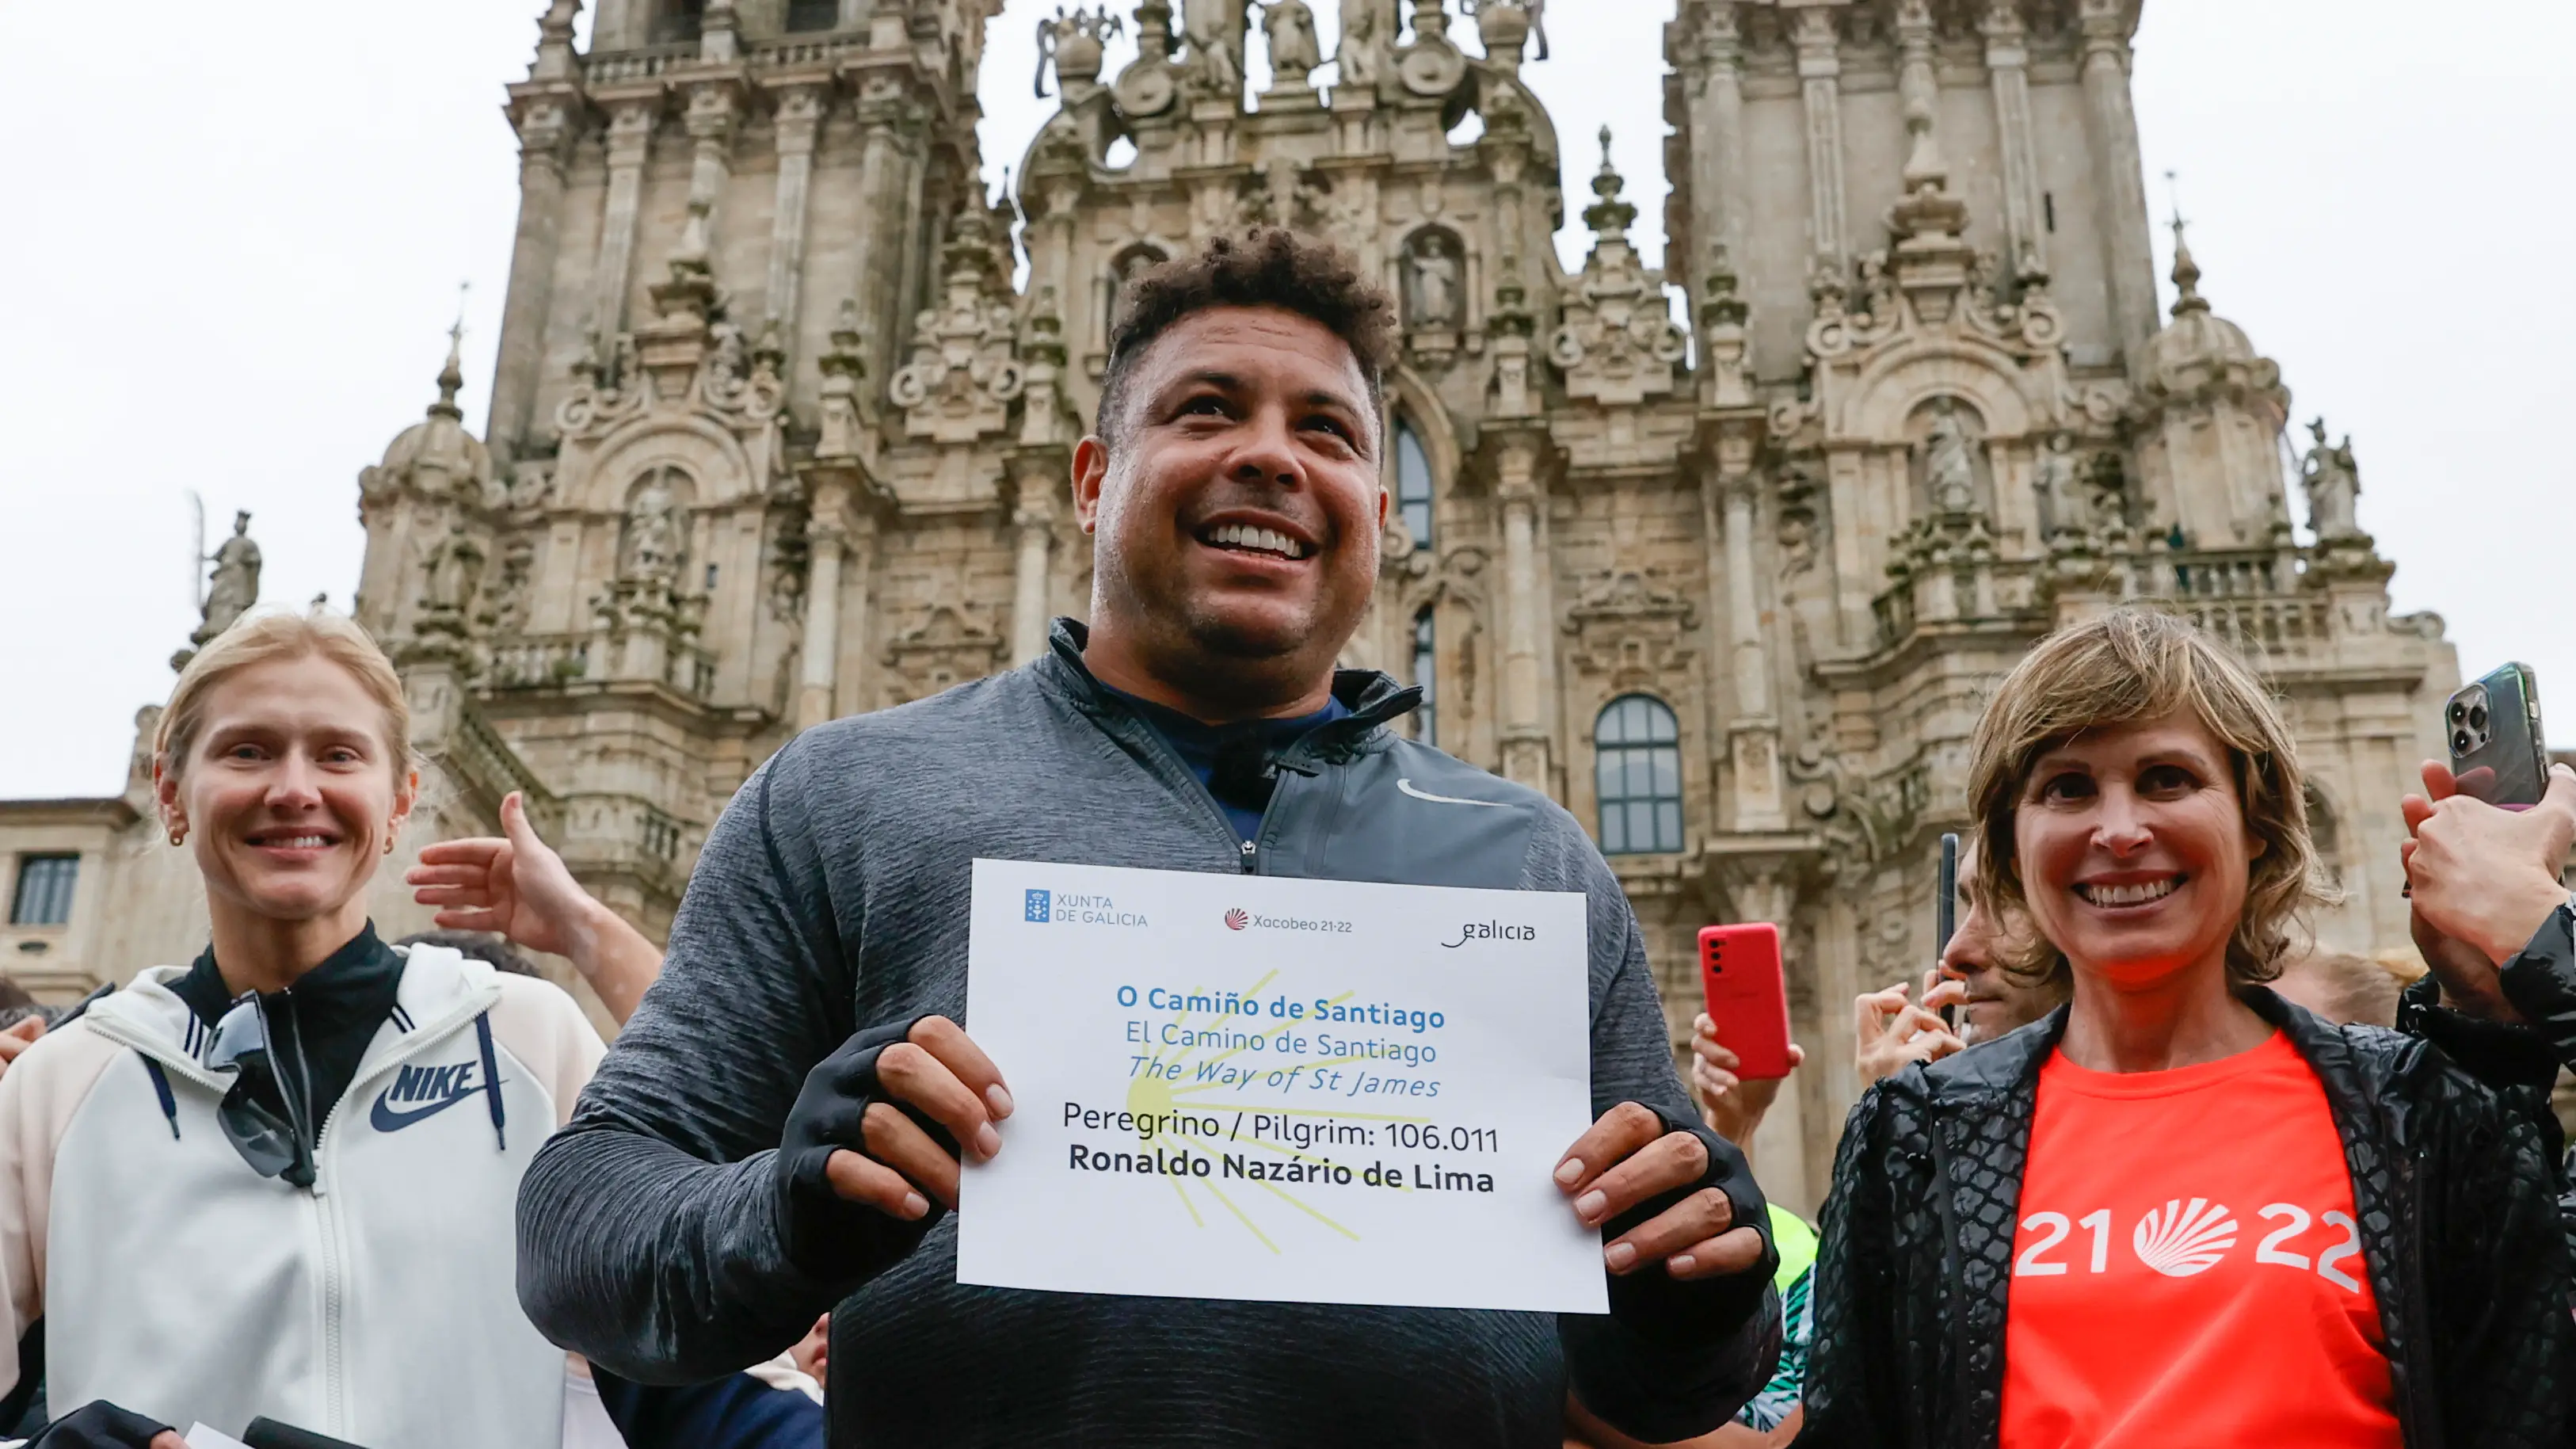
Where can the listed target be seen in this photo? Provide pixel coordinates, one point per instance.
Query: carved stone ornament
(1152, 81)
(1432, 65)
(947, 647)
(965, 368)
(691, 357)
(1289, 26)
(1215, 31)
(1071, 45)
(1618, 345)
(1627, 627)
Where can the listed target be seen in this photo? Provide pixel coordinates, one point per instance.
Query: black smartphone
(2493, 730)
(1945, 912)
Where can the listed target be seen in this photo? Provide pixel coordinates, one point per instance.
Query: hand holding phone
(2492, 729)
(1747, 999)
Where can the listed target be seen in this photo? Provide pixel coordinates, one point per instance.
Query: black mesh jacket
(2451, 1184)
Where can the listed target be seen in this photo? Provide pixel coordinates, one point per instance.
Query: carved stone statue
(1432, 271)
(455, 572)
(1366, 33)
(1949, 462)
(234, 586)
(653, 523)
(1294, 51)
(1214, 29)
(2062, 507)
(2333, 482)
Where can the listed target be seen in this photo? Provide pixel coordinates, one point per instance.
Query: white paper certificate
(1234, 1086)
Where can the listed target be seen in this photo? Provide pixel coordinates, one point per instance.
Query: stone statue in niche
(2062, 508)
(1214, 29)
(2333, 481)
(1949, 462)
(1367, 31)
(455, 571)
(653, 525)
(1294, 51)
(234, 586)
(1434, 288)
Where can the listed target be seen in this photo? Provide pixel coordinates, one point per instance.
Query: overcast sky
(234, 237)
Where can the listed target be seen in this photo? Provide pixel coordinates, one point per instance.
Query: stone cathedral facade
(775, 437)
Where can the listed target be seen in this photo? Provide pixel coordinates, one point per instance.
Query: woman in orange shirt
(2180, 1210)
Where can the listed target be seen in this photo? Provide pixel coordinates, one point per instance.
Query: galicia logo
(1037, 907)
(1236, 920)
(419, 1092)
(1490, 931)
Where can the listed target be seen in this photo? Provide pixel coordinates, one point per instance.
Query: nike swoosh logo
(1407, 787)
(385, 1117)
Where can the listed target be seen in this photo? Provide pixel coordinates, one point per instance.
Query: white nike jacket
(380, 1306)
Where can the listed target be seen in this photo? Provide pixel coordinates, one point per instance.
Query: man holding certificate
(1312, 1088)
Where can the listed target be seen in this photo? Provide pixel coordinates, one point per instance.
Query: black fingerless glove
(1654, 1302)
(825, 1234)
(99, 1425)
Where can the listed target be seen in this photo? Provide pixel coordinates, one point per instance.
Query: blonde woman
(279, 1181)
(2182, 1211)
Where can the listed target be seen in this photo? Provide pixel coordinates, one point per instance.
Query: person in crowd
(167, 1248)
(2340, 988)
(1989, 997)
(754, 1149)
(2366, 1253)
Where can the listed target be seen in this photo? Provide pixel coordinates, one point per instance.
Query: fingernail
(1619, 1256)
(1589, 1206)
(914, 1205)
(1681, 1264)
(1570, 1171)
(987, 1141)
(998, 1099)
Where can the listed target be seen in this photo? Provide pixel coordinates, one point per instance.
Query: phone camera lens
(2461, 744)
(2477, 717)
(2459, 711)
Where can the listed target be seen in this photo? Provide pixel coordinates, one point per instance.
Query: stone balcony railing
(554, 661)
(2257, 599)
(655, 61)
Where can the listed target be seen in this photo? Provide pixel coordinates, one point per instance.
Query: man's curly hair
(1263, 267)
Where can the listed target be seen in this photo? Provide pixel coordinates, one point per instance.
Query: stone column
(828, 538)
(1035, 520)
(1525, 749)
(2007, 62)
(544, 131)
(712, 110)
(630, 139)
(800, 116)
(1820, 68)
(1753, 732)
(2112, 128)
(1717, 142)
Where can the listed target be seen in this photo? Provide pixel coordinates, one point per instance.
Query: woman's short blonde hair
(2128, 666)
(267, 638)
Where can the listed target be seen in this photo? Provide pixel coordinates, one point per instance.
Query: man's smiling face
(1237, 506)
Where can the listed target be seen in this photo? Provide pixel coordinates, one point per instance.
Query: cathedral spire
(451, 378)
(1611, 216)
(2186, 272)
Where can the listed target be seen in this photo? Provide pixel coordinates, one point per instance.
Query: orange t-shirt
(2186, 1269)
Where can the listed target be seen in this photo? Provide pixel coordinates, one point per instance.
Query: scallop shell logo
(1236, 920)
(2180, 1239)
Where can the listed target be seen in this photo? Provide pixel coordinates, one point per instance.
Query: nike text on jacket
(832, 897)
(377, 1307)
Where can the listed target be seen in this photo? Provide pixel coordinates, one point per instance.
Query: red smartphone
(1739, 969)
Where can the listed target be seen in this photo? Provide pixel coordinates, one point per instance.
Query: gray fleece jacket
(655, 1231)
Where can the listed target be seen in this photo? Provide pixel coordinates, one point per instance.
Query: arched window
(1637, 764)
(677, 20)
(813, 14)
(1426, 665)
(1412, 484)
